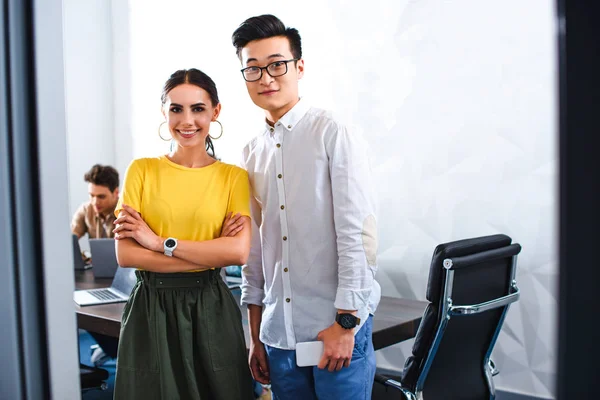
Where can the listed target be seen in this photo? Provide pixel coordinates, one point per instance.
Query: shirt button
(288, 300)
(272, 130)
(280, 176)
(282, 207)
(278, 145)
(285, 270)
(289, 127)
(285, 238)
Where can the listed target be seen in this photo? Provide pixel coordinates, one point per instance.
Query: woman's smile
(187, 133)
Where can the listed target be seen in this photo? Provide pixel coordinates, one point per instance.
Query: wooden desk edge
(382, 338)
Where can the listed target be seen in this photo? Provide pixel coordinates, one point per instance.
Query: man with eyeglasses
(310, 274)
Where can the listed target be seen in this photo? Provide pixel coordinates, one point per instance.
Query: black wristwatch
(347, 320)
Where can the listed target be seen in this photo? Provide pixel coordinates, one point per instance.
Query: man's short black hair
(263, 27)
(103, 175)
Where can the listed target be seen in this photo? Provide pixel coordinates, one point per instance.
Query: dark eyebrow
(271, 56)
(193, 105)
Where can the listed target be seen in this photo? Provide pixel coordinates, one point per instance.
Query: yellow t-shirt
(185, 203)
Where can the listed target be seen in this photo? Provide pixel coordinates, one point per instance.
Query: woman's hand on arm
(231, 248)
(137, 246)
(232, 224)
(220, 252)
(130, 254)
(130, 224)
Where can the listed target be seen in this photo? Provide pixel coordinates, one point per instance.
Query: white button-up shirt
(314, 205)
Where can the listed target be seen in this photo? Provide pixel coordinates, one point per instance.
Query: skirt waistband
(178, 279)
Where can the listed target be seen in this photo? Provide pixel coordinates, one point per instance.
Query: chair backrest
(471, 284)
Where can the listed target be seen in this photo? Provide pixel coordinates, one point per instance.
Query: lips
(187, 133)
(268, 92)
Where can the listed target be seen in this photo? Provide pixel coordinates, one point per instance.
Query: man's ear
(300, 68)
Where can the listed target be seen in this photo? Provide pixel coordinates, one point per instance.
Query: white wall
(121, 82)
(458, 101)
(88, 52)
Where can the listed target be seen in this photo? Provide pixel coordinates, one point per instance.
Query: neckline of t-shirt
(175, 165)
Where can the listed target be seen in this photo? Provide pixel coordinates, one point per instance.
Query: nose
(188, 118)
(266, 79)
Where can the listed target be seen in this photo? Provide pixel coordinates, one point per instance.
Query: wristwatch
(347, 320)
(169, 246)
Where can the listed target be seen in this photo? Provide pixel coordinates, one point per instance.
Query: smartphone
(308, 354)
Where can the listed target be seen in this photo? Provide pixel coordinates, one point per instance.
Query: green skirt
(182, 338)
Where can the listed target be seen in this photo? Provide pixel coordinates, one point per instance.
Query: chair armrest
(385, 381)
(488, 305)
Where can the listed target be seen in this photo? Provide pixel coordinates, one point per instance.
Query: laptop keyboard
(104, 294)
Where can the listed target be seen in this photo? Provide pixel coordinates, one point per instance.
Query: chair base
(395, 384)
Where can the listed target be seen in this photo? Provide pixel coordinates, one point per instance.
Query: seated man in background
(96, 218)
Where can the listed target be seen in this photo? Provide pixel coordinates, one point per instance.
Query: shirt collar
(291, 118)
(108, 217)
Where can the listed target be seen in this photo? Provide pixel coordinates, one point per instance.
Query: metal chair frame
(448, 311)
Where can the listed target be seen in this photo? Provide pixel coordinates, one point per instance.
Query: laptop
(104, 257)
(118, 292)
(78, 262)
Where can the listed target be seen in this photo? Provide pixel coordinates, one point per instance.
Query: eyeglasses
(275, 69)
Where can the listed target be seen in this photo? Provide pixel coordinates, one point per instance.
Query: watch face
(170, 243)
(347, 321)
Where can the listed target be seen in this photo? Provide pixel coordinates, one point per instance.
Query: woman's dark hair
(196, 77)
(263, 27)
(103, 175)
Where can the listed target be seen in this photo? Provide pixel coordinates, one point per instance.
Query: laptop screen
(77, 260)
(124, 280)
(104, 257)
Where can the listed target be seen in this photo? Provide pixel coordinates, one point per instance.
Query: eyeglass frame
(266, 69)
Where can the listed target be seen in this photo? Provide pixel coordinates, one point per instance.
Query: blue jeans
(290, 382)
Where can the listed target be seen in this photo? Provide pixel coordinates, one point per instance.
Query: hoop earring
(221, 125)
(159, 135)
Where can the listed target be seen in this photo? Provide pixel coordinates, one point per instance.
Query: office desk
(396, 320)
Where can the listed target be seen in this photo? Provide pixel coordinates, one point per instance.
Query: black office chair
(471, 285)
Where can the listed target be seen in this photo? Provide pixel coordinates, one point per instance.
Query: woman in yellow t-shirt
(182, 217)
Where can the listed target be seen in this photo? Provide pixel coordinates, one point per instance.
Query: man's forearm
(254, 319)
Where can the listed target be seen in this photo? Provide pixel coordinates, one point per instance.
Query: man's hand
(338, 344)
(232, 224)
(130, 224)
(86, 257)
(258, 362)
